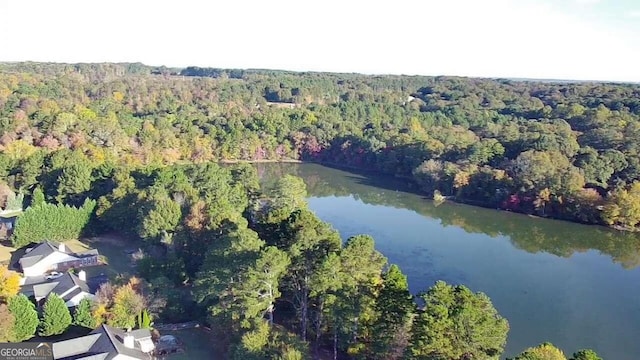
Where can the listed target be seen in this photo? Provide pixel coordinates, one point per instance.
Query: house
(49, 256)
(71, 288)
(106, 343)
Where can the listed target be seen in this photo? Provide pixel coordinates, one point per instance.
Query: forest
(562, 150)
(96, 148)
(269, 277)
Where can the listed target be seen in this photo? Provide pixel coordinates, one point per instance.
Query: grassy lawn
(5, 253)
(112, 251)
(197, 343)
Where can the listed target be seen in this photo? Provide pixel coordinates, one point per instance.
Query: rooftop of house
(40, 287)
(46, 248)
(105, 343)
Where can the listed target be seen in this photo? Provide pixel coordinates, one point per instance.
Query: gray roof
(38, 253)
(103, 343)
(47, 248)
(40, 288)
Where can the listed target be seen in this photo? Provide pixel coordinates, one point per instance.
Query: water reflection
(525, 232)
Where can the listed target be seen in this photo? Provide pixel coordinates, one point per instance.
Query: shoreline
(411, 188)
(262, 161)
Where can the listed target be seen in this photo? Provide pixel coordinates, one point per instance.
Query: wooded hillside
(565, 150)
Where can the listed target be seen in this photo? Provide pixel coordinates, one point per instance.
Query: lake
(574, 285)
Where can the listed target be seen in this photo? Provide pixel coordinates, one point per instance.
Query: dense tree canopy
(133, 149)
(457, 324)
(68, 126)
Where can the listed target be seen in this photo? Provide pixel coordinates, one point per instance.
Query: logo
(26, 351)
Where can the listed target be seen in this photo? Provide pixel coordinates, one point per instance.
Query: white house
(49, 256)
(71, 288)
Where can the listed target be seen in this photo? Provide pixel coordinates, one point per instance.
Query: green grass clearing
(112, 250)
(5, 254)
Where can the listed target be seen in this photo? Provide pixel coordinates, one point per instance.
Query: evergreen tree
(25, 315)
(75, 178)
(163, 215)
(82, 315)
(308, 241)
(456, 323)
(362, 265)
(52, 222)
(586, 355)
(394, 308)
(260, 288)
(37, 197)
(56, 318)
(545, 351)
(223, 274)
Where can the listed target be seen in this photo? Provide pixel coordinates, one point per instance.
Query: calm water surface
(573, 285)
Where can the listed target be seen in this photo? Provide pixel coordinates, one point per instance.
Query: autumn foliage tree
(9, 284)
(623, 207)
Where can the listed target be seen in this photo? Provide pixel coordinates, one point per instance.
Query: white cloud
(634, 14)
(586, 2)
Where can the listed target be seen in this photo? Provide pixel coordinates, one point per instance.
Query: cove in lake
(574, 285)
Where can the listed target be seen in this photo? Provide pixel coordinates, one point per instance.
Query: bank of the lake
(570, 284)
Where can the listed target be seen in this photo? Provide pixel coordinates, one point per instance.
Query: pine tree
(356, 300)
(223, 274)
(394, 307)
(55, 316)
(37, 197)
(260, 288)
(26, 317)
(457, 323)
(53, 222)
(82, 315)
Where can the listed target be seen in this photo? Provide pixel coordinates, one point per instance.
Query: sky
(549, 39)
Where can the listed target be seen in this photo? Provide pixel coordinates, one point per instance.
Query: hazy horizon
(576, 40)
